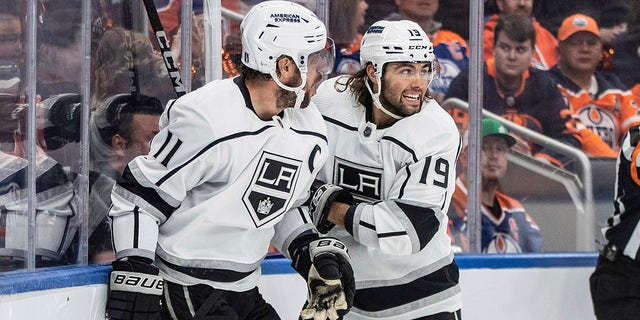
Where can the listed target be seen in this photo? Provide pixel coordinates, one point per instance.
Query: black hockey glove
(330, 282)
(134, 291)
(323, 195)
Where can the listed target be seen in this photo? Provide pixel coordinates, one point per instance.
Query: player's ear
(285, 65)
(118, 144)
(371, 72)
(288, 71)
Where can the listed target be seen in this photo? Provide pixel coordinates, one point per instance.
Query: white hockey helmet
(396, 41)
(275, 28)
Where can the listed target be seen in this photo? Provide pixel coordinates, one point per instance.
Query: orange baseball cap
(576, 23)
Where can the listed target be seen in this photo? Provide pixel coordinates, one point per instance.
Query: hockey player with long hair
(225, 177)
(386, 187)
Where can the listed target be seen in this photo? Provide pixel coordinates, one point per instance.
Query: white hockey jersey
(56, 219)
(404, 176)
(218, 184)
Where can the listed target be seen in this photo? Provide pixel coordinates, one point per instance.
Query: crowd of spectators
(574, 78)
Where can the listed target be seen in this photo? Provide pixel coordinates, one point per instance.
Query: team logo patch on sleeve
(271, 187)
(364, 182)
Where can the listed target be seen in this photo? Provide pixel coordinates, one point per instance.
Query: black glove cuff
(299, 253)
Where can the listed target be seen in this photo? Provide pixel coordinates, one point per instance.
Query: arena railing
(579, 186)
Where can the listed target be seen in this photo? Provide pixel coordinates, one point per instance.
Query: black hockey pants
(202, 302)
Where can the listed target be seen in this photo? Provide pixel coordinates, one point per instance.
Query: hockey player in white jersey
(226, 175)
(390, 177)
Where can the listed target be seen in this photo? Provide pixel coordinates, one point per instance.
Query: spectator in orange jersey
(544, 50)
(450, 48)
(506, 225)
(520, 93)
(599, 99)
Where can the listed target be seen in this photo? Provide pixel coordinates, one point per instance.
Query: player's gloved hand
(330, 281)
(323, 195)
(134, 290)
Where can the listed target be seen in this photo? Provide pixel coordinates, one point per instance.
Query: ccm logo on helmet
(418, 47)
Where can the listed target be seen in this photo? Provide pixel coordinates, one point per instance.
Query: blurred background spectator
(59, 53)
(378, 9)
(599, 99)
(544, 50)
(506, 225)
(345, 18)
(121, 128)
(121, 52)
(518, 92)
(626, 63)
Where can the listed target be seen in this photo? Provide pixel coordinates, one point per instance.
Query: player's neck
(263, 98)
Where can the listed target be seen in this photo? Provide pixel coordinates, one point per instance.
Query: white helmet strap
(297, 90)
(376, 98)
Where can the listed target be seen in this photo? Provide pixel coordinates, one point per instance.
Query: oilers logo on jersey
(364, 182)
(271, 187)
(601, 121)
(502, 243)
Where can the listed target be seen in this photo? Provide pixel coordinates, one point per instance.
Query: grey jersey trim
(413, 275)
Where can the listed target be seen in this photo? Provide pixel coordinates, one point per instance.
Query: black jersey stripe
(382, 298)
(218, 275)
(171, 103)
(209, 146)
(392, 234)
(340, 124)
(150, 195)
(136, 226)
(424, 221)
(311, 133)
(367, 225)
(65, 235)
(404, 184)
(402, 145)
(302, 215)
(171, 153)
(164, 144)
(54, 177)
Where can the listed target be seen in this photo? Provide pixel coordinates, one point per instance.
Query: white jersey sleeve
(419, 168)
(403, 174)
(215, 172)
(153, 186)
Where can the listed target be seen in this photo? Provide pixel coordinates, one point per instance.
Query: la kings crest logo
(364, 182)
(271, 187)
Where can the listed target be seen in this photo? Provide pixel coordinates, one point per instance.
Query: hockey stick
(163, 42)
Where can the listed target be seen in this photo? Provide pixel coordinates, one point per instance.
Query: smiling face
(404, 86)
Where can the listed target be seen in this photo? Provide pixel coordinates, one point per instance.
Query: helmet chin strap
(376, 99)
(297, 90)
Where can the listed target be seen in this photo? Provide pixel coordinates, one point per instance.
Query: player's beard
(287, 99)
(397, 108)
